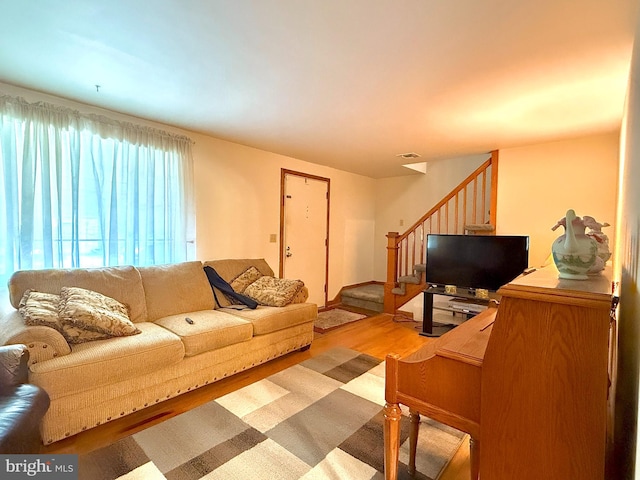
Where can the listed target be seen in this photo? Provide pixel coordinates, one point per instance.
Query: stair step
(410, 279)
(369, 297)
(479, 229)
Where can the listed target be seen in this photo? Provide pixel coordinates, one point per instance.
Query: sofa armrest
(44, 343)
(302, 296)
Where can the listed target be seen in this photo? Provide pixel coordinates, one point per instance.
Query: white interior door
(305, 233)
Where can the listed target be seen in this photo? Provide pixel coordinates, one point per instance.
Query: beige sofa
(94, 382)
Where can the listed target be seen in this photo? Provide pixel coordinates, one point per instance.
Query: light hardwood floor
(376, 336)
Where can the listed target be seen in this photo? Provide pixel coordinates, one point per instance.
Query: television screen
(475, 261)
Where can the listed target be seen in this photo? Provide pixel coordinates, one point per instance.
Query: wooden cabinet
(545, 380)
(441, 380)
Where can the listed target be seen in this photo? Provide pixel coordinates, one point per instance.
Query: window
(82, 190)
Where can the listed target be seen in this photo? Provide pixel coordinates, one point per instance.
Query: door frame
(283, 173)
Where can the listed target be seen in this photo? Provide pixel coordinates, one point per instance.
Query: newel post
(392, 417)
(493, 214)
(392, 271)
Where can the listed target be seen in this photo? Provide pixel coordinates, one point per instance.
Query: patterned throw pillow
(274, 292)
(74, 334)
(40, 309)
(246, 278)
(87, 315)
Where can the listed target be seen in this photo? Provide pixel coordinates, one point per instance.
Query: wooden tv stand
(532, 389)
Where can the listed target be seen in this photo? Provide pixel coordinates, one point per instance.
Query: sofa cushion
(121, 283)
(176, 288)
(231, 268)
(271, 319)
(86, 310)
(40, 309)
(208, 330)
(104, 362)
(274, 292)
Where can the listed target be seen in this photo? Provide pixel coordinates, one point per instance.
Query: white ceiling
(344, 83)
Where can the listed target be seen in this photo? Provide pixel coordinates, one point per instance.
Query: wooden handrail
(452, 194)
(406, 250)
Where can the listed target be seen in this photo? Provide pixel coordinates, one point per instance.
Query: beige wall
(538, 184)
(237, 192)
(627, 266)
(238, 208)
(405, 199)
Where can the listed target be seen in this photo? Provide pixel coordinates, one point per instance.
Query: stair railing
(465, 204)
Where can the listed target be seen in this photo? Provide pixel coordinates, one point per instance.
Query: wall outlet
(273, 238)
(401, 222)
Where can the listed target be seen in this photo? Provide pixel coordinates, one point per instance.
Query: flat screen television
(475, 261)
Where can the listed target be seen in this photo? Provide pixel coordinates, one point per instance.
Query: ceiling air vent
(416, 166)
(408, 155)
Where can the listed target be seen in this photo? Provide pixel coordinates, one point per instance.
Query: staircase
(368, 297)
(470, 208)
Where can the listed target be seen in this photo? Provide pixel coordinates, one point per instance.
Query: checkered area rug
(320, 419)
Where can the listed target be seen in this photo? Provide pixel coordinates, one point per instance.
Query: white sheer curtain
(82, 190)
